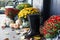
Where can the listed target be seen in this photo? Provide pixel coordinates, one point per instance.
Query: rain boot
(34, 25)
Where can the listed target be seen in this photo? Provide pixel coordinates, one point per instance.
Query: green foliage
(22, 6)
(57, 25)
(51, 35)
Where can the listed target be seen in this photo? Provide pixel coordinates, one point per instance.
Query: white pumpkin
(8, 21)
(11, 25)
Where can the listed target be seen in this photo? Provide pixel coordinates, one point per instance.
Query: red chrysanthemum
(51, 26)
(11, 12)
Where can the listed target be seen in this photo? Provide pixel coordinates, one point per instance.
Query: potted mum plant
(51, 27)
(10, 13)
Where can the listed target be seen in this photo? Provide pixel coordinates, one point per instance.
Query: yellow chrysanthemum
(27, 11)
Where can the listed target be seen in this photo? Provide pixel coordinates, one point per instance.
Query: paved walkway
(7, 32)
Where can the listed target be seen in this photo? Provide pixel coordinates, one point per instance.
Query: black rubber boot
(34, 25)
